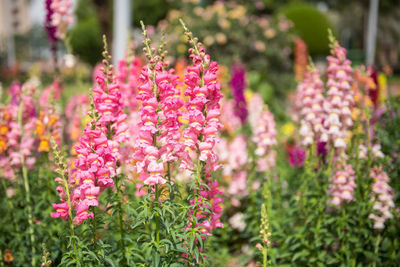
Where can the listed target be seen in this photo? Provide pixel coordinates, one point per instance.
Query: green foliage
(312, 26)
(86, 37)
(231, 32)
(150, 11)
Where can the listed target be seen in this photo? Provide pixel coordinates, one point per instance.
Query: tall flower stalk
(64, 209)
(27, 187)
(202, 113)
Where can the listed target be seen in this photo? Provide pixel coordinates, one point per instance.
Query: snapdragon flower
(265, 139)
(382, 197)
(342, 186)
(340, 98)
(238, 84)
(310, 101)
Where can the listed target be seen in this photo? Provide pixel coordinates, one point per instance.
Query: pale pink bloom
(62, 16)
(382, 196)
(339, 99)
(309, 102)
(265, 139)
(237, 222)
(342, 186)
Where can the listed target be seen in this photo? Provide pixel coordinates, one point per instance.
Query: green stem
(71, 224)
(157, 219)
(265, 252)
(10, 206)
(27, 190)
(120, 221)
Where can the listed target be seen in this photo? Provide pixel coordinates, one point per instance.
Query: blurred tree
(150, 11)
(86, 36)
(312, 26)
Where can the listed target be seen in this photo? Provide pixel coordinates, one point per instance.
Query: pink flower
(382, 196)
(82, 213)
(265, 140)
(61, 210)
(61, 17)
(342, 186)
(339, 100)
(310, 103)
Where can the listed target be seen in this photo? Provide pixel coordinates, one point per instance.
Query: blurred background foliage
(259, 33)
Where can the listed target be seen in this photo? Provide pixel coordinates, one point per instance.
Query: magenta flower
(297, 156)
(238, 84)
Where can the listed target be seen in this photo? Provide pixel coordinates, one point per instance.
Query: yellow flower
(3, 146)
(183, 120)
(382, 81)
(248, 94)
(288, 128)
(44, 145)
(3, 129)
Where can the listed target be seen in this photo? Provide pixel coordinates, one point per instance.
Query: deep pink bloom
(297, 156)
(61, 210)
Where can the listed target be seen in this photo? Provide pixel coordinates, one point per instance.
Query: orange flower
(8, 256)
(3, 129)
(3, 146)
(44, 145)
(53, 120)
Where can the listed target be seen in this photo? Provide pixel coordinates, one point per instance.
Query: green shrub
(312, 26)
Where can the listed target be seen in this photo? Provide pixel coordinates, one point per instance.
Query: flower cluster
(238, 84)
(17, 132)
(202, 113)
(311, 100)
(265, 139)
(75, 112)
(50, 28)
(230, 122)
(48, 126)
(265, 233)
(127, 76)
(342, 186)
(382, 196)
(147, 153)
(108, 104)
(234, 157)
(98, 149)
(202, 109)
(340, 98)
(300, 59)
(60, 13)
